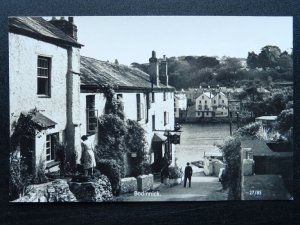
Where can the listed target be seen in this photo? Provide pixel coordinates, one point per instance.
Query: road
(204, 188)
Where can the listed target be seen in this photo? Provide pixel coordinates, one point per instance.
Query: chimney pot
(53, 18)
(71, 19)
(62, 17)
(153, 54)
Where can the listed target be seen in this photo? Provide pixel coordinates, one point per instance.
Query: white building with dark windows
(212, 104)
(180, 104)
(151, 104)
(44, 76)
(204, 105)
(63, 89)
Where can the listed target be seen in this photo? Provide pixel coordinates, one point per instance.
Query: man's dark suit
(188, 175)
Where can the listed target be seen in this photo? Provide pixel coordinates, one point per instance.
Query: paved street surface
(204, 188)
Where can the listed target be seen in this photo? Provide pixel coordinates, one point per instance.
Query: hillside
(192, 71)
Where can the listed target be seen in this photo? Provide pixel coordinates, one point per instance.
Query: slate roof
(157, 137)
(41, 29)
(100, 73)
(272, 118)
(208, 94)
(260, 148)
(41, 120)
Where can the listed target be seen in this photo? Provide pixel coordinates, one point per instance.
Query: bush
(175, 172)
(112, 170)
(285, 120)
(136, 143)
(19, 178)
(232, 155)
(111, 132)
(39, 175)
(250, 130)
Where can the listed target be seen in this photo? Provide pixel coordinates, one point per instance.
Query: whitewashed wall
(23, 57)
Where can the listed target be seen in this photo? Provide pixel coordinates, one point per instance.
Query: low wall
(128, 185)
(212, 167)
(145, 182)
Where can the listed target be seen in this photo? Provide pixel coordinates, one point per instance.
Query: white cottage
(204, 105)
(147, 99)
(44, 75)
(220, 105)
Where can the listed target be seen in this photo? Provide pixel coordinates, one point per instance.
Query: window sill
(51, 163)
(44, 96)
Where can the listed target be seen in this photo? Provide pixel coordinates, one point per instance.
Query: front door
(158, 157)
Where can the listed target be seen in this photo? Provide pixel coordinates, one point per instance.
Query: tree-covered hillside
(191, 71)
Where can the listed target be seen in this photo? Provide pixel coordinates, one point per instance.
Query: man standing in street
(188, 174)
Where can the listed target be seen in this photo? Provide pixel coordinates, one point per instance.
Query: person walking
(88, 157)
(188, 172)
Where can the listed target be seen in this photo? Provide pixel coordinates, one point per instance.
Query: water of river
(197, 139)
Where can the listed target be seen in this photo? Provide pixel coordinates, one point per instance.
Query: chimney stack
(164, 76)
(66, 26)
(153, 69)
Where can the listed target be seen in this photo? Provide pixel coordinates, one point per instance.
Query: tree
(278, 103)
(285, 62)
(232, 155)
(269, 56)
(206, 61)
(252, 60)
(285, 120)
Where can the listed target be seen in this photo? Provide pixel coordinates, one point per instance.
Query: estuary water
(199, 138)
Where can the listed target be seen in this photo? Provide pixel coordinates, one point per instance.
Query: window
(153, 122)
(202, 97)
(222, 101)
(91, 113)
(215, 101)
(119, 96)
(165, 96)
(219, 96)
(199, 107)
(153, 97)
(199, 113)
(205, 102)
(43, 75)
(200, 102)
(148, 98)
(51, 141)
(207, 113)
(166, 118)
(139, 107)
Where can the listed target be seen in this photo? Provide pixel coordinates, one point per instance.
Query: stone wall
(145, 182)
(128, 185)
(55, 191)
(98, 190)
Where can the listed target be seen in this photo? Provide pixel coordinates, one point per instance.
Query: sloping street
(203, 188)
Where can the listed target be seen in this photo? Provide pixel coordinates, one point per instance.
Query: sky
(132, 38)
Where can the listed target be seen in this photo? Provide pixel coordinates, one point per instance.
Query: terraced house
(44, 75)
(210, 104)
(146, 98)
(49, 78)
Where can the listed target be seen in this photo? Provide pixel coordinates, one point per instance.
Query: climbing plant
(24, 127)
(136, 144)
(111, 130)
